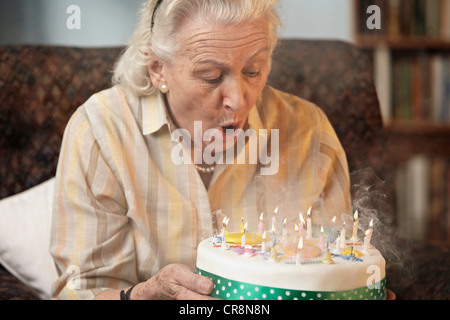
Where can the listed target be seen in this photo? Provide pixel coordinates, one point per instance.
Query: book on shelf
(439, 211)
(423, 199)
(437, 199)
(408, 18)
(420, 86)
(447, 206)
(383, 80)
(412, 198)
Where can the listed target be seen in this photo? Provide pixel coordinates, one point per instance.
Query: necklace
(205, 170)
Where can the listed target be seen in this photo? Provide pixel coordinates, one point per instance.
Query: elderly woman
(127, 216)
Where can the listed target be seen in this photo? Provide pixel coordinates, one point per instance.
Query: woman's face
(218, 75)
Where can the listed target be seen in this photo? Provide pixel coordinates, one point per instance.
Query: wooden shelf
(409, 138)
(410, 43)
(419, 127)
(415, 35)
(412, 39)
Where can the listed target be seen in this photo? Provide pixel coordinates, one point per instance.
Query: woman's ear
(155, 69)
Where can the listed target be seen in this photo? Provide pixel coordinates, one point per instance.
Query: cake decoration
(309, 225)
(333, 221)
(355, 227)
(368, 238)
(266, 265)
(327, 259)
(261, 223)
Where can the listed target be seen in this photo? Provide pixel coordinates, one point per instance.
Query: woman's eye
(214, 80)
(252, 74)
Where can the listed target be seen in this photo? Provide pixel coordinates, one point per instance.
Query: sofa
(41, 87)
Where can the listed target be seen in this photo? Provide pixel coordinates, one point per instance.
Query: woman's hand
(390, 295)
(173, 282)
(176, 282)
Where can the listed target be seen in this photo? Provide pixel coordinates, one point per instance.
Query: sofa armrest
(13, 289)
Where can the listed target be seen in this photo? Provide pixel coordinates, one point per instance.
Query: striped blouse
(123, 209)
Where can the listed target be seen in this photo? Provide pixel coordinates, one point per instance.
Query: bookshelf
(411, 53)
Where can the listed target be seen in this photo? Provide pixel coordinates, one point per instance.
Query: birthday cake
(292, 266)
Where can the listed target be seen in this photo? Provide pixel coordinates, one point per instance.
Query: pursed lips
(230, 126)
(229, 130)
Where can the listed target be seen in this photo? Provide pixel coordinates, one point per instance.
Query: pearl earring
(164, 88)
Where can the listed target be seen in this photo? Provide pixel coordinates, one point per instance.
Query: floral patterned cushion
(40, 88)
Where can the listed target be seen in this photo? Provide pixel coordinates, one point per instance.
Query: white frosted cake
(285, 267)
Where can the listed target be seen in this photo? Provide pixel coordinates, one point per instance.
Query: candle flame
(371, 223)
(284, 222)
(264, 236)
(334, 219)
(225, 221)
(300, 243)
(261, 217)
(301, 219)
(355, 216)
(245, 228)
(321, 229)
(309, 212)
(296, 228)
(367, 232)
(275, 211)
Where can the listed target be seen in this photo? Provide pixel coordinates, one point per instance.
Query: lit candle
(261, 223)
(342, 243)
(321, 239)
(370, 229)
(274, 238)
(355, 227)
(332, 230)
(298, 258)
(244, 238)
(274, 218)
(263, 245)
(242, 224)
(284, 226)
(284, 236)
(308, 225)
(301, 225)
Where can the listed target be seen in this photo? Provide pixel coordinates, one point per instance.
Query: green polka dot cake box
(236, 290)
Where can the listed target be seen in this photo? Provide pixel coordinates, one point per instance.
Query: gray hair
(131, 69)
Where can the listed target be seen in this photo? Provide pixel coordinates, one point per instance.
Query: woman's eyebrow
(210, 62)
(258, 53)
(206, 65)
(215, 63)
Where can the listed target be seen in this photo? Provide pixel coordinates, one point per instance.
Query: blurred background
(411, 60)
(111, 22)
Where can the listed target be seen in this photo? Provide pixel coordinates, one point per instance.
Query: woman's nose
(234, 92)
